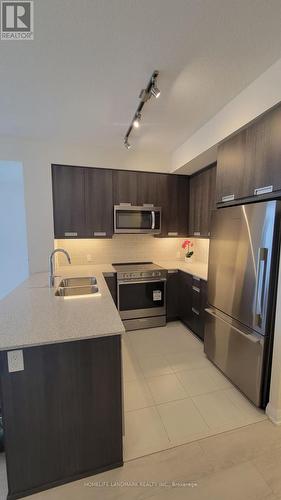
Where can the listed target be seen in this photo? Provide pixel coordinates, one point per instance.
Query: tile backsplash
(129, 248)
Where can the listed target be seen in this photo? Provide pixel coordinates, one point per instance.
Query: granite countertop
(32, 315)
(198, 269)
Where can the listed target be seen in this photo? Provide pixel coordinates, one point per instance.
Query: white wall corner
(258, 97)
(274, 414)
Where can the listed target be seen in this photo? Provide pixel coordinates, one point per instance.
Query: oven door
(141, 299)
(128, 220)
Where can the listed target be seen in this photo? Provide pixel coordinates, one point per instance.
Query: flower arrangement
(187, 245)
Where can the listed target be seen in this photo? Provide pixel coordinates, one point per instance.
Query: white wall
(37, 157)
(199, 150)
(13, 237)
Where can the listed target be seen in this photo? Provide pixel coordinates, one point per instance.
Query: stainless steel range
(141, 294)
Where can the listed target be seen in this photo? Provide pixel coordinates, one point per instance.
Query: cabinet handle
(171, 233)
(196, 233)
(99, 233)
(196, 289)
(228, 197)
(70, 234)
(263, 190)
(195, 311)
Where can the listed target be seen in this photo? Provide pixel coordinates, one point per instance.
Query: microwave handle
(153, 219)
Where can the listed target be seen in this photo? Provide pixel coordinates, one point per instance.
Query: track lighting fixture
(145, 95)
(137, 119)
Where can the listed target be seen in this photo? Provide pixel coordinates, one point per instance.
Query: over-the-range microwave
(129, 219)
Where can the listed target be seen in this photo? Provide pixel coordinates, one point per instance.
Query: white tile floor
(173, 394)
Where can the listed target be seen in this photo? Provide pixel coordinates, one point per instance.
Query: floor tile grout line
(166, 431)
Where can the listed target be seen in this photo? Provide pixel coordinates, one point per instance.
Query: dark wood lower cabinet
(187, 300)
(172, 291)
(62, 414)
(111, 281)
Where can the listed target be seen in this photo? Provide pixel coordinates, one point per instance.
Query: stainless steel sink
(78, 281)
(77, 286)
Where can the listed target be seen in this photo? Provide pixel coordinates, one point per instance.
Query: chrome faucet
(51, 275)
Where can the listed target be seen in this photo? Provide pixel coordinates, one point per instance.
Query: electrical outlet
(15, 361)
(89, 258)
(178, 255)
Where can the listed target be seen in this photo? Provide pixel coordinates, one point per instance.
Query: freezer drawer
(237, 352)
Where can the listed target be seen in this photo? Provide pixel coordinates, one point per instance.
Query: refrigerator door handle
(250, 337)
(153, 219)
(260, 288)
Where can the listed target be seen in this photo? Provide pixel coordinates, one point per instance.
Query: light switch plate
(15, 361)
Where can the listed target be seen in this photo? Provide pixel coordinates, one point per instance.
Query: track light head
(126, 144)
(155, 91)
(136, 121)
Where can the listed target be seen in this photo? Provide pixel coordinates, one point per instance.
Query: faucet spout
(52, 266)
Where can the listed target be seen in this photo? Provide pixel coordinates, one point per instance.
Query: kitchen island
(62, 406)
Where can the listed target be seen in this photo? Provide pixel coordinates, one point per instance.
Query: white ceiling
(79, 80)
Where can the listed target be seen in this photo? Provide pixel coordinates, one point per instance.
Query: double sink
(69, 287)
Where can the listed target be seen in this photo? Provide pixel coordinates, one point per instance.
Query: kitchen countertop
(198, 269)
(32, 315)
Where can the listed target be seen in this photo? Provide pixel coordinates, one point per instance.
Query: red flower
(186, 243)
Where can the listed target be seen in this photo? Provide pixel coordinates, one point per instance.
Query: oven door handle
(129, 282)
(153, 219)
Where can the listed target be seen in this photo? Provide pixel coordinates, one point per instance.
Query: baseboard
(273, 414)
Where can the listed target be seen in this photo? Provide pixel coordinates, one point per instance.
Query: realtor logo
(17, 20)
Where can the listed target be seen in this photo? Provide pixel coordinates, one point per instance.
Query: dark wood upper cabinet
(170, 192)
(99, 202)
(84, 197)
(251, 160)
(202, 193)
(176, 205)
(68, 201)
(125, 187)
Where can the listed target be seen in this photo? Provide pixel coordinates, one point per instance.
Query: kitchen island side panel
(62, 414)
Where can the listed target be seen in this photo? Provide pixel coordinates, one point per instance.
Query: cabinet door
(199, 303)
(263, 152)
(153, 189)
(232, 174)
(125, 187)
(150, 188)
(201, 201)
(98, 202)
(185, 299)
(172, 291)
(176, 206)
(68, 202)
(251, 159)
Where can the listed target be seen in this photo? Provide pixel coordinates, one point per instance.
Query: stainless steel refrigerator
(242, 284)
